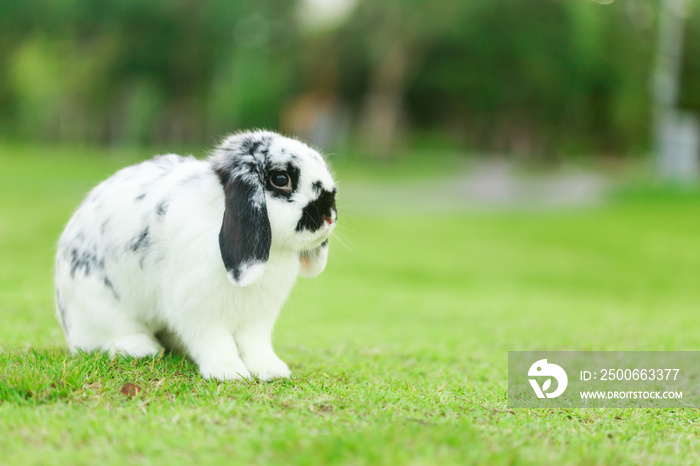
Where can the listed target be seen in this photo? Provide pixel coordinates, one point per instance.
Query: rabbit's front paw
(269, 369)
(135, 346)
(224, 371)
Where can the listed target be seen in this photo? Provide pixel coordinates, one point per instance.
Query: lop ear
(312, 263)
(245, 236)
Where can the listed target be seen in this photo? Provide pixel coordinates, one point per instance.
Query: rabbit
(197, 256)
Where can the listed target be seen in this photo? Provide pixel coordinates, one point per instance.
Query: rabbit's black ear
(245, 234)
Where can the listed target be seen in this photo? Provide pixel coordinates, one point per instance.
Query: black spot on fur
(162, 209)
(239, 159)
(250, 145)
(257, 144)
(312, 216)
(141, 245)
(142, 241)
(317, 186)
(324, 244)
(108, 283)
(140, 197)
(85, 261)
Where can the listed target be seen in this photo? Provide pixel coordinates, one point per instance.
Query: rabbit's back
(111, 244)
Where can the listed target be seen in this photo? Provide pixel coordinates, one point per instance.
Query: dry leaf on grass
(131, 390)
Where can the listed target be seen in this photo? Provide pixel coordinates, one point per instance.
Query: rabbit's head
(279, 193)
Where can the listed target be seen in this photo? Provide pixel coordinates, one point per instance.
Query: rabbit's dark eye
(281, 181)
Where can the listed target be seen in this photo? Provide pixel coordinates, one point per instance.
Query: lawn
(399, 350)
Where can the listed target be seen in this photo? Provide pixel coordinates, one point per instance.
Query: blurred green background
(544, 78)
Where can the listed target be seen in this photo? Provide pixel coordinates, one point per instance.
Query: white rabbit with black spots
(197, 255)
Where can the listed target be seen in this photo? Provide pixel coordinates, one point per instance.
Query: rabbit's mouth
(324, 232)
(328, 227)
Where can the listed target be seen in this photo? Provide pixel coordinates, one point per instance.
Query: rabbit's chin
(323, 236)
(306, 240)
(310, 242)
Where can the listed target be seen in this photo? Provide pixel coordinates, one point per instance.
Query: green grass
(399, 350)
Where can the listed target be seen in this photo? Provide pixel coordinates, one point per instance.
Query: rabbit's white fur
(172, 252)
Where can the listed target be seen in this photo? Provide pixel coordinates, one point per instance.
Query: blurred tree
(689, 97)
(135, 72)
(546, 77)
(536, 76)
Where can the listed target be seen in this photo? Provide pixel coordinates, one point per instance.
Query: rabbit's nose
(328, 220)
